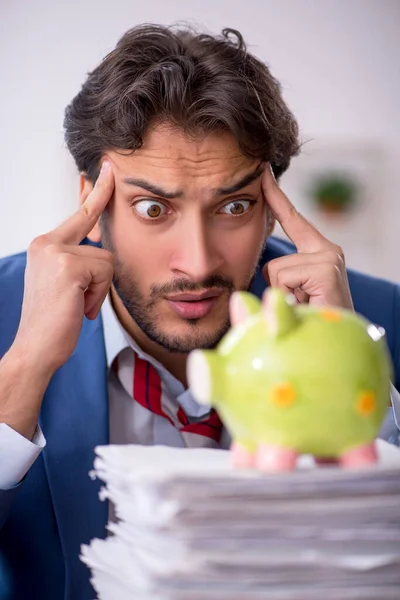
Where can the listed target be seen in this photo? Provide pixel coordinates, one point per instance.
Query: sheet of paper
(192, 527)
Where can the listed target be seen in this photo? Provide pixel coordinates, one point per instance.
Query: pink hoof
(275, 459)
(241, 457)
(362, 456)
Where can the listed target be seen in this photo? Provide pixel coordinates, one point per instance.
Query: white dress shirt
(131, 423)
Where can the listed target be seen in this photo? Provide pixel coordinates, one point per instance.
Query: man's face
(183, 235)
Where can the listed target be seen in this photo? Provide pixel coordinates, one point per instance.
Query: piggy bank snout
(199, 376)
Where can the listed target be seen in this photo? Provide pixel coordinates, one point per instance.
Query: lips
(194, 305)
(194, 296)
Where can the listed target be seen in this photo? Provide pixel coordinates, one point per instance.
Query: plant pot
(330, 208)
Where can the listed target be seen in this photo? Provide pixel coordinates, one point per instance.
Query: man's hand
(317, 273)
(65, 281)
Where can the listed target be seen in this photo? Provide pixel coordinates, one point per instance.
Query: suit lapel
(74, 420)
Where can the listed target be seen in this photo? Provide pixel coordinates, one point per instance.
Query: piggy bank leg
(362, 456)
(242, 456)
(275, 459)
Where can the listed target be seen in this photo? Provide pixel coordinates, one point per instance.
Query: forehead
(169, 156)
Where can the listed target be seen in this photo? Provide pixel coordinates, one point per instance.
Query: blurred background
(338, 62)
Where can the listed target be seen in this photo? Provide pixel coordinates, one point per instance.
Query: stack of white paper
(190, 527)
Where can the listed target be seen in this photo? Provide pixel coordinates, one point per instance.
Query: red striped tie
(147, 391)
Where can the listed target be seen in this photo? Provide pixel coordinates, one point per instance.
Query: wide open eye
(150, 209)
(236, 208)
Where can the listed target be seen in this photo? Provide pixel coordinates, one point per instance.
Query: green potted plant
(334, 193)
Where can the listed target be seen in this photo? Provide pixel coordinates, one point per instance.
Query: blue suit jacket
(55, 509)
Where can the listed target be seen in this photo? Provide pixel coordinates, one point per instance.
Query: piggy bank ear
(243, 305)
(279, 311)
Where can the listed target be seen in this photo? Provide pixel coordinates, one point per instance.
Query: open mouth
(194, 305)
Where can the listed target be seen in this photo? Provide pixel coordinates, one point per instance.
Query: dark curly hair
(198, 82)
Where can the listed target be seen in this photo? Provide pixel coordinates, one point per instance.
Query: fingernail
(105, 166)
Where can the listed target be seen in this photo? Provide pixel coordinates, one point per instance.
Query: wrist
(30, 362)
(23, 382)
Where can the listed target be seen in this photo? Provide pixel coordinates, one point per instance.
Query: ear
(85, 187)
(279, 312)
(242, 305)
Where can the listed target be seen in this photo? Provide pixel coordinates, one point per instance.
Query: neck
(175, 363)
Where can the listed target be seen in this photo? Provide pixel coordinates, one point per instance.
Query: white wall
(337, 59)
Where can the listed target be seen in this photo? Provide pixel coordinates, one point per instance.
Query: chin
(191, 335)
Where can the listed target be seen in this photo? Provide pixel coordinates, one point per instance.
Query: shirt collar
(115, 336)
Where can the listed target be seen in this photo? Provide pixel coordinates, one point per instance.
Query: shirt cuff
(395, 400)
(17, 455)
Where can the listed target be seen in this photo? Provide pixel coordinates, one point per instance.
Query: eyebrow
(158, 191)
(152, 188)
(242, 183)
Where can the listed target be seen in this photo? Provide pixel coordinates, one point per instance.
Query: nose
(196, 252)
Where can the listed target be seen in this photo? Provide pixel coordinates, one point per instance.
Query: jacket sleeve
(6, 500)
(396, 324)
(17, 455)
(390, 430)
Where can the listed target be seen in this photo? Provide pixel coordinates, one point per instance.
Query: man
(179, 138)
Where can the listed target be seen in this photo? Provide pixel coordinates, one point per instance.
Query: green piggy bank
(292, 379)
